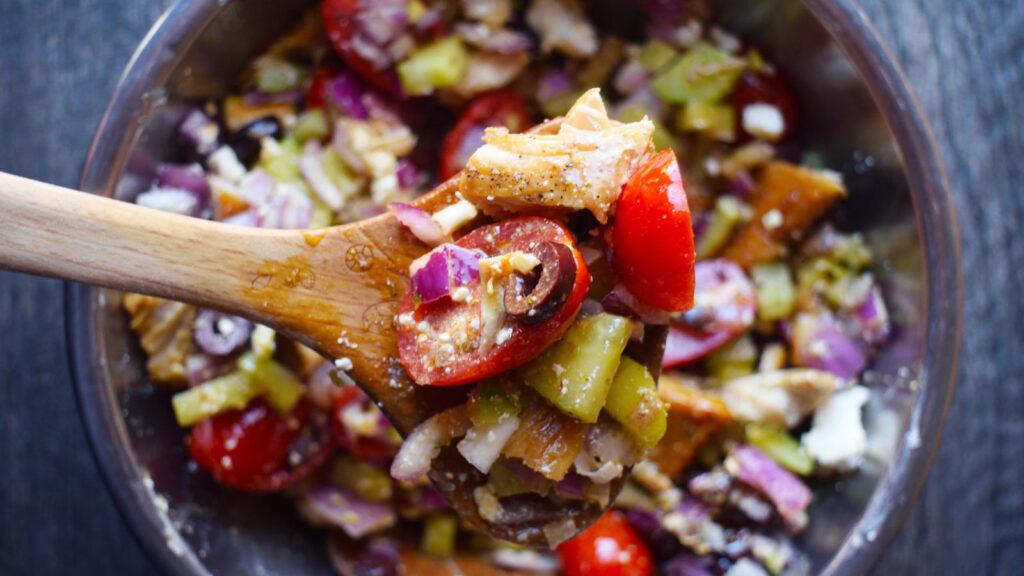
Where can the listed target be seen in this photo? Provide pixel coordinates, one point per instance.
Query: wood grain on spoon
(335, 289)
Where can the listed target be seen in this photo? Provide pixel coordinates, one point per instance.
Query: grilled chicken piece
(583, 166)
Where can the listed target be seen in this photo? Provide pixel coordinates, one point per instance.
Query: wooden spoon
(335, 290)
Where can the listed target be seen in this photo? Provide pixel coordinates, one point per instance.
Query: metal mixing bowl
(857, 111)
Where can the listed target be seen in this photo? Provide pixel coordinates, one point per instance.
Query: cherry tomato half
(254, 449)
(339, 18)
(460, 359)
(608, 548)
(316, 96)
(371, 447)
(763, 88)
(652, 237)
(724, 306)
(502, 108)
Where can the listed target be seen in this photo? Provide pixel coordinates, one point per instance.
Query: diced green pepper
(576, 373)
(281, 161)
(781, 447)
(439, 535)
(662, 137)
(230, 392)
(277, 384)
(437, 65)
(734, 360)
(364, 479)
(633, 402)
(311, 126)
(717, 121)
(494, 400)
(729, 213)
(505, 483)
(702, 74)
(655, 54)
(275, 75)
(775, 292)
(339, 174)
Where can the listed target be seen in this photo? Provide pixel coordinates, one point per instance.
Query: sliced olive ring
(534, 298)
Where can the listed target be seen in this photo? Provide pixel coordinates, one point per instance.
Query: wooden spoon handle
(54, 231)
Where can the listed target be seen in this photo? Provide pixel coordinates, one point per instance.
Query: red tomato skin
(360, 447)
(500, 108)
(340, 25)
(248, 449)
(525, 342)
(652, 236)
(316, 96)
(761, 88)
(608, 548)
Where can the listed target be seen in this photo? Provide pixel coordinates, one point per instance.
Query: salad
(669, 193)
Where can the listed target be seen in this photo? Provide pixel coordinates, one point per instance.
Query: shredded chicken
(164, 329)
(782, 398)
(583, 166)
(562, 27)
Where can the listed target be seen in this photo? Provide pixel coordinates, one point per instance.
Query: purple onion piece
(256, 187)
(871, 319)
(686, 564)
(356, 516)
(430, 500)
(199, 133)
(533, 480)
(554, 84)
(249, 218)
(571, 487)
(381, 21)
(346, 91)
(821, 343)
(756, 469)
(171, 200)
(447, 267)
(320, 388)
(740, 186)
(188, 178)
(220, 334)
(620, 301)
(288, 210)
(419, 222)
(644, 522)
(631, 77)
(408, 176)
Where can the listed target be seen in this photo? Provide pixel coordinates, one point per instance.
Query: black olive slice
(534, 298)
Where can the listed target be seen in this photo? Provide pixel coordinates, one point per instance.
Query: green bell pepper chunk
(781, 447)
(312, 125)
(633, 402)
(439, 535)
(717, 121)
(281, 388)
(364, 479)
(734, 360)
(729, 213)
(437, 65)
(702, 74)
(229, 392)
(576, 373)
(776, 294)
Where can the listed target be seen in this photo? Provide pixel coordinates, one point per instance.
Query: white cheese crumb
(837, 438)
(772, 219)
(225, 164)
(263, 344)
(764, 121)
(460, 294)
(343, 364)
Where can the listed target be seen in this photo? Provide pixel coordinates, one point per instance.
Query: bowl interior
(856, 114)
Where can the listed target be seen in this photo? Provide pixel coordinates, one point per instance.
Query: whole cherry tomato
(460, 358)
(339, 18)
(652, 238)
(353, 403)
(258, 450)
(763, 88)
(608, 548)
(724, 307)
(501, 108)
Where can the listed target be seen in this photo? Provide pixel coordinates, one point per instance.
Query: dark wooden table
(60, 59)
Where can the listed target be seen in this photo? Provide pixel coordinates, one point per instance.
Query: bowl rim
(892, 94)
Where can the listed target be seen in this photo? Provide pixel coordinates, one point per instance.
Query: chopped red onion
(419, 222)
(631, 77)
(356, 516)
(257, 187)
(685, 564)
(606, 451)
(171, 200)
(439, 272)
(381, 21)
(756, 469)
(483, 443)
(741, 186)
(320, 388)
(533, 480)
(220, 334)
(408, 177)
(346, 91)
(188, 178)
(819, 342)
(380, 558)
(430, 500)
(554, 84)
(313, 173)
(570, 487)
(199, 133)
(645, 99)
(871, 319)
(413, 460)
(432, 17)
(248, 218)
(290, 209)
(671, 11)
(621, 302)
